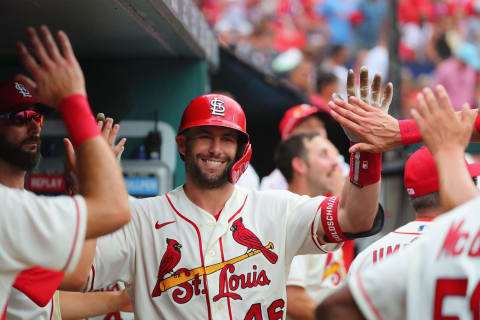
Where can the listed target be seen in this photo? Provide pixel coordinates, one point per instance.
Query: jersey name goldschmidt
(180, 263)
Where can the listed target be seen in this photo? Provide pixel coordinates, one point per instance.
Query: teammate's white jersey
(21, 307)
(249, 179)
(274, 181)
(43, 231)
(434, 278)
(390, 243)
(319, 274)
(178, 262)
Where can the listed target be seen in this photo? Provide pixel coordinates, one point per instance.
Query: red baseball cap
(421, 175)
(14, 97)
(294, 116)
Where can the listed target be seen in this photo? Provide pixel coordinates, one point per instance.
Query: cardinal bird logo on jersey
(170, 259)
(247, 238)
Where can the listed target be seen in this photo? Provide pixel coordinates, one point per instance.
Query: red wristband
(477, 122)
(78, 118)
(365, 168)
(329, 217)
(409, 132)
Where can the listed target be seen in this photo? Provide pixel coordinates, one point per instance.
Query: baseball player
(211, 250)
(53, 229)
(310, 164)
(421, 184)
(437, 276)
(27, 301)
(298, 119)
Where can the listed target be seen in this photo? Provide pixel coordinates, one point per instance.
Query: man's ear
(299, 166)
(181, 144)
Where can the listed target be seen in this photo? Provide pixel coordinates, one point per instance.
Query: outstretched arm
(77, 305)
(447, 136)
(76, 280)
(57, 81)
(380, 131)
(358, 203)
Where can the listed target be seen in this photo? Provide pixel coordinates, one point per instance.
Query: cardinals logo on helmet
(247, 238)
(170, 259)
(218, 107)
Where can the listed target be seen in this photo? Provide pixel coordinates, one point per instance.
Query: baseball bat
(178, 279)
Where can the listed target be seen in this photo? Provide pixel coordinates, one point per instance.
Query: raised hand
(441, 128)
(371, 97)
(361, 100)
(55, 74)
(446, 135)
(365, 117)
(109, 133)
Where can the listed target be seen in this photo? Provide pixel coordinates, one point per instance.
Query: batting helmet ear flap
(239, 167)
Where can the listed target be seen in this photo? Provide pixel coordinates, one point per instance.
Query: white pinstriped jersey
(438, 276)
(42, 231)
(180, 263)
(390, 243)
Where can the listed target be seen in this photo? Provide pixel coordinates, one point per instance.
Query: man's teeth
(213, 163)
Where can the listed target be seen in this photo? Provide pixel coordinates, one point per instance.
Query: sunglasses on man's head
(22, 117)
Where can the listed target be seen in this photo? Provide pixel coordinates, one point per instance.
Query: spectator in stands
(458, 75)
(373, 15)
(338, 14)
(326, 86)
(335, 63)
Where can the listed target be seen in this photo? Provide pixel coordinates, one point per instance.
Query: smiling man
(233, 245)
(310, 164)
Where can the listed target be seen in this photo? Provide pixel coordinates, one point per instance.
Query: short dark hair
(293, 147)
(430, 200)
(324, 79)
(426, 202)
(336, 49)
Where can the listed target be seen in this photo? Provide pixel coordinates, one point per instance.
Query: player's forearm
(77, 280)
(455, 184)
(409, 132)
(102, 185)
(76, 305)
(299, 304)
(358, 207)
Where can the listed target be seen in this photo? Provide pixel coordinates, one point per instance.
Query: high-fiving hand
(55, 74)
(364, 99)
(109, 133)
(440, 127)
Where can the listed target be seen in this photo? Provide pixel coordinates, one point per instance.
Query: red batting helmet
(221, 111)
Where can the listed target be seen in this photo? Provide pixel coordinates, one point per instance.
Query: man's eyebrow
(230, 134)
